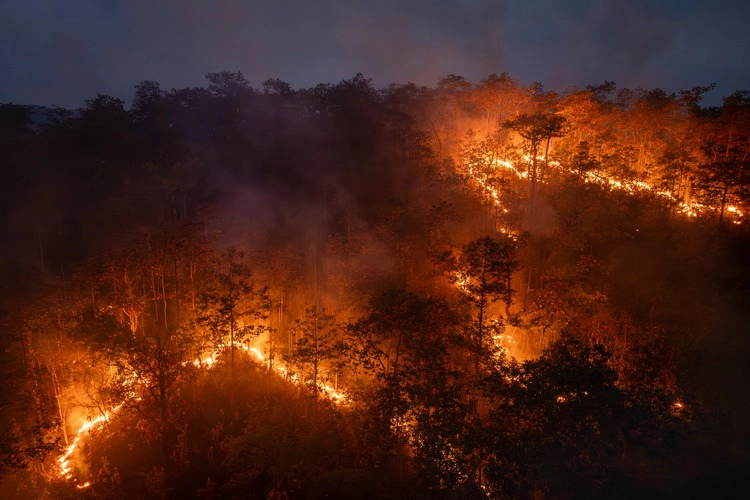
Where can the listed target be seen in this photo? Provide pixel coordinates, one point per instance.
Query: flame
(492, 192)
(93, 424)
(688, 209)
(209, 360)
(462, 282)
(206, 361)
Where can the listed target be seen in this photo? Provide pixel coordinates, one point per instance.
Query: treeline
(169, 143)
(366, 243)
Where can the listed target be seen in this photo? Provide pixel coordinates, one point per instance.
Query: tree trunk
(723, 205)
(192, 283)
(164, 298)
(231, 343)
(546, 158)
(177, 293)
(532, 178)
(61, 413)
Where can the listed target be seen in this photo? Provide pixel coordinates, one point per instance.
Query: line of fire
(472, 290)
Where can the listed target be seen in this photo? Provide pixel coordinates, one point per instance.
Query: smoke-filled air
(476, 289)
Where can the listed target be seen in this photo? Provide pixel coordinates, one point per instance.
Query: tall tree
(496, 96)
(725, 174)
(232, 306)
(316, 343)
(534, 129)
(483, 271)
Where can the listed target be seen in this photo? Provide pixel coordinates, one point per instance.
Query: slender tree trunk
(480, 318)
(532, 194)
(723, 205)
(437, 137)
(164, 298)
(192, 283)
(177, 293)
(164, 413)
(60, 411)
(154, 297)
(546, 159)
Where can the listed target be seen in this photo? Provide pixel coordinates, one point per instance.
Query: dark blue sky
(65, 51)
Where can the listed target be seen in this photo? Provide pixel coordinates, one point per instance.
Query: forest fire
(88, 429)
(88, 426)
(689, 209)
(393, 306)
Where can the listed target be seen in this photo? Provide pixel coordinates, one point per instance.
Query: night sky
(63, 52)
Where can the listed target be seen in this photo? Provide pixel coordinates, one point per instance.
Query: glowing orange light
(205, 361)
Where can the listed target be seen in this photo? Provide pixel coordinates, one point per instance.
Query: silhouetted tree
(534, 129)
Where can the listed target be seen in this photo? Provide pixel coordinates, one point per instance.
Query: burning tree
(480, 159)
(231, 302)
(403, 343)
(150, 369)
(535, 129)
(483, 271)
(315, 344)
(724, 176)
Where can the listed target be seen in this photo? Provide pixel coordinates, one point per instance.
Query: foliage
(399, 214)
(231, 304)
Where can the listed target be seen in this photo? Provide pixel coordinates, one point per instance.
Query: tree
(104, 109)
(355, 104)
(535, 128)
(479, 158)
(147, 99)
(404, 112)
(277, 87)
(562, 425)
(586, 117)
(583, 162)
(104, 137)
(496, 95)
(483, 272)
(228, 84)
(30, 415)
(450, 102)
(718, 179)
(15, 121)
(151, 367)
(316, 343)
(403, 343)
(231, 304)
(725, 175)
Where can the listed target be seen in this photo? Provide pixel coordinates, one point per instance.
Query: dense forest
(476, 290)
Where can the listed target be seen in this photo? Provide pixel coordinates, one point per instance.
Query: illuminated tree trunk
(481, 305)
(164, 298)
(534, 128)
(315, 344)
(60, 411)
(532, 178)
(154, 297)
(192, 283)
(546, 159)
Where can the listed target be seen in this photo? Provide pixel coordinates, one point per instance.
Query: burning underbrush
(227, 434)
